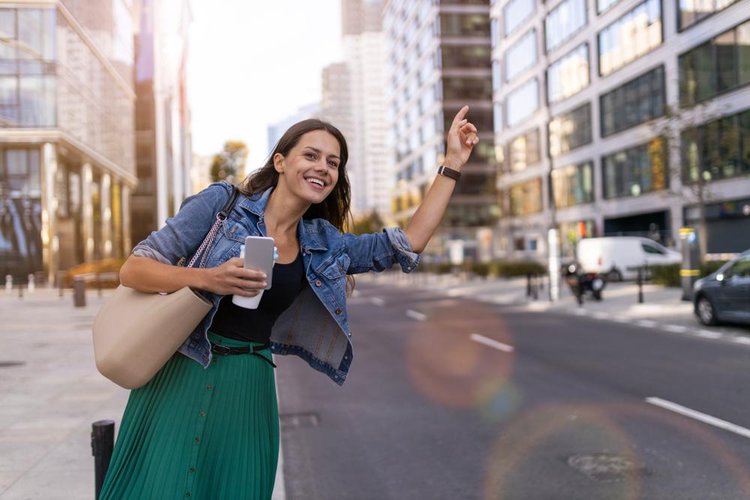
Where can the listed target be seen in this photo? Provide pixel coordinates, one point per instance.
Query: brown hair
(336, 207)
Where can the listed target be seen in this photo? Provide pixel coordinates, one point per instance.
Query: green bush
(712, 266)
(667, 275)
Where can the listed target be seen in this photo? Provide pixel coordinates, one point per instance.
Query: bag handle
(220, 217)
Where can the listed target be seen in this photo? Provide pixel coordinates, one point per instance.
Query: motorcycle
(582, 283)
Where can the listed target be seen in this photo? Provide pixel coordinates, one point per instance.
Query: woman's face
(311, 168)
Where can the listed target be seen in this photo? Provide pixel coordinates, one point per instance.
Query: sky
(253, 63)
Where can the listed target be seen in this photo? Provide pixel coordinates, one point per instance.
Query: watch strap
(449, 172)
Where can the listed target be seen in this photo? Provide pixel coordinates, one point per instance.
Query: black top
(255, 325)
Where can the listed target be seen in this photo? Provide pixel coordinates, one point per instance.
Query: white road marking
(646, 322)
(622, 319)
(580, 312)
(377, 301)
(709, 334)
(416, 315)
(491, 343)
(675, 328)
(706, 419)
(601, 315)
(742, 340)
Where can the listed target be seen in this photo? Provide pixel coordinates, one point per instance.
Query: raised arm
(460, 141)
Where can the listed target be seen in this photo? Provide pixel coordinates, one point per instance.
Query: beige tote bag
(136, 333)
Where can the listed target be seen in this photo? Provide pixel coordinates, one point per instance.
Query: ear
(278, 163)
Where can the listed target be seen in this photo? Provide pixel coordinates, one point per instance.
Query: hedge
(669, 275)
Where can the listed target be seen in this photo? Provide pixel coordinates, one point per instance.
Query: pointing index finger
(460, 116)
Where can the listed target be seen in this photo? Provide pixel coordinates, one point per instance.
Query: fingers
(459, 117)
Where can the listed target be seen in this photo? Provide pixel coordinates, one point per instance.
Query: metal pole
(102, 442)
(640, 285)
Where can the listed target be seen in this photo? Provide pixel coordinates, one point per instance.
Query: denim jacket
(315, 326)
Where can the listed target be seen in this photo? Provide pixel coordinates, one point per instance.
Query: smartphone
(259, 256)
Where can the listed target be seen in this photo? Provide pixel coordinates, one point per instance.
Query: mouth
(317, 184)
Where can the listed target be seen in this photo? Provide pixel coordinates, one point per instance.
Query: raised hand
(460, 140)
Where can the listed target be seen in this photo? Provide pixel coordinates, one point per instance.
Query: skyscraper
(439, 60)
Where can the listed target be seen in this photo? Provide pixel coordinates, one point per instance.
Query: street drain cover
(11, 364)
(299, 420)
(605, 466)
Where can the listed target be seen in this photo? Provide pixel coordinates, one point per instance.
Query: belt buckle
(221, 349)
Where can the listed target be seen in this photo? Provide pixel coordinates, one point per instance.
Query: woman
(206, 426)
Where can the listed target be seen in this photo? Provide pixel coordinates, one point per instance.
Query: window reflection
(568, 75)
(635, 102)
(522, 102)
(719, 65)
(717, 150)
(570, 130)
(633, 35)
(521, 55)
(636, 171)
(693, 11)
(515, 13)
(464, 25)
(524, 151)
(563, 22)
(573, 185)
(526, 198)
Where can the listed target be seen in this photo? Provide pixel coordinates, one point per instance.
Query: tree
(368, 223)
(690, 156)
(230, 163)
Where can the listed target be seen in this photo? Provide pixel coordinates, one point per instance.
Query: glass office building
(621, 117)
(66, 134)
(439, 59)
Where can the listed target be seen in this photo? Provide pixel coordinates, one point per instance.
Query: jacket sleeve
(182, 234)
(379, 251)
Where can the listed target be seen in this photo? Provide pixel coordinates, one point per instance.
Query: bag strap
(220, 217)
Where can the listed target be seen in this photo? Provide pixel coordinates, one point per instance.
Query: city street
(453, 398)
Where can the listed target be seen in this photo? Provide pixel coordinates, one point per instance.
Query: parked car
(619, 257)
(724, 296)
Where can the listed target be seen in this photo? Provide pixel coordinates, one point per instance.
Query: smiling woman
(206, 426)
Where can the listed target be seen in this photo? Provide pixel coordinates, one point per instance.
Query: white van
(619, 257)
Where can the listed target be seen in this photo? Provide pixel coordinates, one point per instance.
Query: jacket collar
(308, 231)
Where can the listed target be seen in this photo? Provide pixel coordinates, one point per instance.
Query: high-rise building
(354, 101)
(163, 133)
(439, 60)
(67, 149)
(622, 117)
(276, 130)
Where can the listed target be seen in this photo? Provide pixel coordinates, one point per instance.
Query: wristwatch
(449, 172)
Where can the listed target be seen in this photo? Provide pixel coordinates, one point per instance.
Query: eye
(333, 164)
(310, 156)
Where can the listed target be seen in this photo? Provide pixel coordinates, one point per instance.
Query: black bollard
(102, 442)
(528, 284)
(79, 292)
(640, 285)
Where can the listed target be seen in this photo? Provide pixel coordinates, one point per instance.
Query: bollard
(31, 283)
(8, 284)
(640, 285)
(528, 284)
(535, 287)
(79, 292)
(102, 442)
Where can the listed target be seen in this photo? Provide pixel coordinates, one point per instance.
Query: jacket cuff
(142, 250)
(403, 253)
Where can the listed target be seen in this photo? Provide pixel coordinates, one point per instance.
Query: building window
(693, 11)
(717, 150)
(515, 13)
(573, 185)
(522, 102)
(568, 75)
(634, 34)
(523, 151)
(497, 117)
(463, 87)
(28, 85)
(521, 55)
(719, 65)
(465, 25)
(526, 198)
(637, 101)
(471, 56)
(563, 22)
(636, 171)
(570, 130)
(497, 81)
(604, 5)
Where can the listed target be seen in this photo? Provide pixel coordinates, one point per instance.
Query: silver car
(724, 296)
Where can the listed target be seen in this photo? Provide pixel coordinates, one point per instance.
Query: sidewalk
(50, 394)
(662, 307)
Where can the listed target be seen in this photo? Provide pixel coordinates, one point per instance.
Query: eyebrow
(321, 152)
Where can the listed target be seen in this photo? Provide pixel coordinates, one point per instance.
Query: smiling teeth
(317, 181)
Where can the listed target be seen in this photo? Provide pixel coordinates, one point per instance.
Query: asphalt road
(456, 399)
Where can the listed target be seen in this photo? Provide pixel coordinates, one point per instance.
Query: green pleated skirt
(200, 433)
